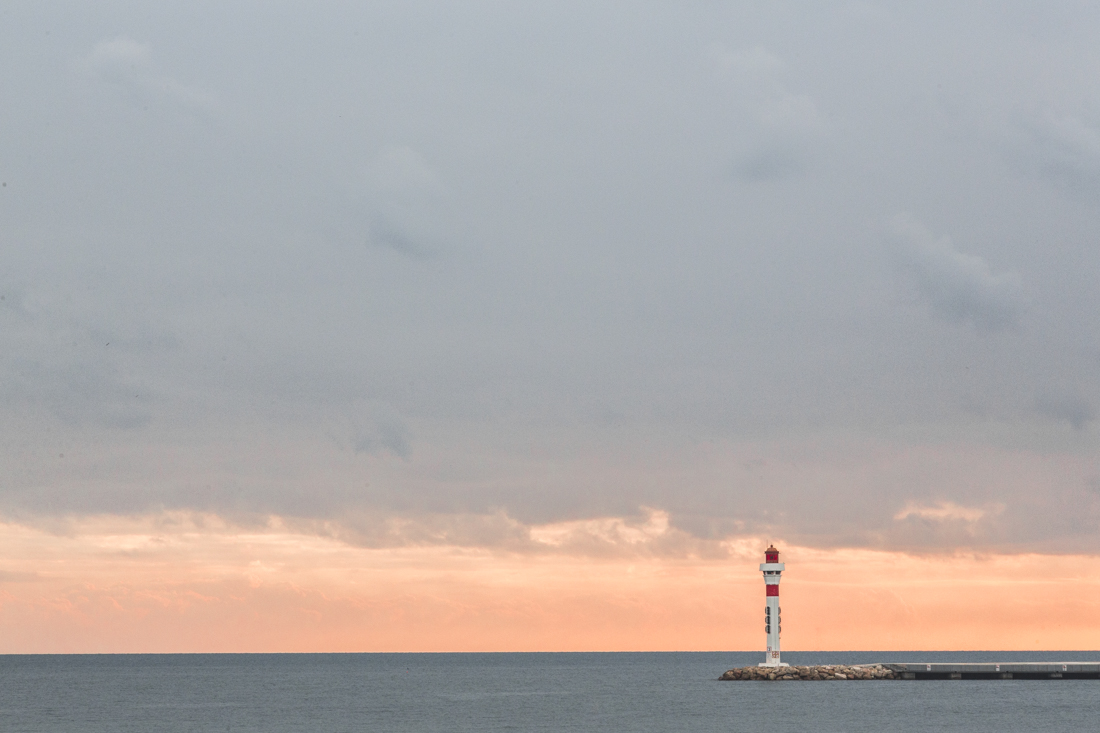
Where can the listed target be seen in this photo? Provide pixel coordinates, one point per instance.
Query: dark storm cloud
(479, 269)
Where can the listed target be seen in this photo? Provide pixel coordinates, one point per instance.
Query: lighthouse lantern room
(772, 569)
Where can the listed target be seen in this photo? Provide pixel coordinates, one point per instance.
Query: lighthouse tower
(772, 569)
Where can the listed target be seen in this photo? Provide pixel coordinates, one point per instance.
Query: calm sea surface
(519, 692)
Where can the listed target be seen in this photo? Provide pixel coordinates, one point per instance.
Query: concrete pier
(994, 671)
(920, 671)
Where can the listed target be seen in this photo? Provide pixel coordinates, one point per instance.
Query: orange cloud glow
(196, 584)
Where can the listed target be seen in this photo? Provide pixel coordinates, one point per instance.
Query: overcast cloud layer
(441, 272)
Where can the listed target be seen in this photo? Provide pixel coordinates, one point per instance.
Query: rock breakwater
(813, 673)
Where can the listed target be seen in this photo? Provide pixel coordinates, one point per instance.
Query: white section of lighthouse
(772, 569)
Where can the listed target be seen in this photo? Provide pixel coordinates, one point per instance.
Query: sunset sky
(485, 326)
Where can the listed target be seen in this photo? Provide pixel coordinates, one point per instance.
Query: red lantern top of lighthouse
(771, 554)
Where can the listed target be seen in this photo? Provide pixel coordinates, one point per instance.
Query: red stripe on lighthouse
(773, 590)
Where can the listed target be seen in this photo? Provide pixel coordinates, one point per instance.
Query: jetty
(773, 669)
(919, 671)
(812, 672)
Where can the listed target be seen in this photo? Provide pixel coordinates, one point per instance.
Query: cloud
(406, 200)
(388, 434)
(768, 164)
(78, 367)
(959, 287)
(619, 328)
(80, 393)
(647, 533)
(943, 511)
(1064, 149)
(367, 528)
(166, 583)
(777, 124)
(946, 524)
(128, 64)
(756, 74)
(614, 530)
(18, 576)
(605, 532)
(1075, 410)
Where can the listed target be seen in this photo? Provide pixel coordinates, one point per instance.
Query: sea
(606, 692)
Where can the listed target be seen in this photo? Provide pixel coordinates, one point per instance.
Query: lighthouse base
(773, 664)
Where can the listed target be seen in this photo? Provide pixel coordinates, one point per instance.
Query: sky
(499, 326)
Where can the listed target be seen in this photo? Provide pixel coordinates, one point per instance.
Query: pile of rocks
(815, 672)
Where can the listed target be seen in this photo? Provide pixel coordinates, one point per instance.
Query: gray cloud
(128, 64)
(80, 393)
(777, 127)
(959, 287)
(387, 434)
(1075, 410)
(768, 165)
(406, 201)
(74, 367)
(562, 265)
(1064, 149)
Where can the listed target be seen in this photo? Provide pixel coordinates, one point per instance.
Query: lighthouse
(772, 569)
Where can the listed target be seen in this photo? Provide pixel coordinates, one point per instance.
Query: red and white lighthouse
(772, 569)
